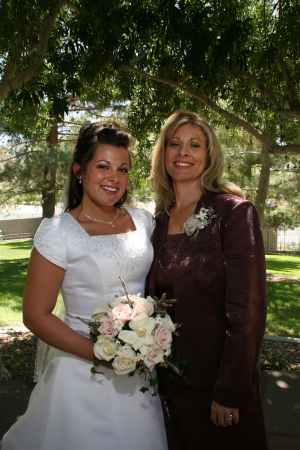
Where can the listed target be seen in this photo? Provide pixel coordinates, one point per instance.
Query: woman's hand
(220, 415)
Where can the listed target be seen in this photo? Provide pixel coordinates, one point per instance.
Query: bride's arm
(43, 282)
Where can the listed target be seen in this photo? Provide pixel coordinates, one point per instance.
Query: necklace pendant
(179, 229)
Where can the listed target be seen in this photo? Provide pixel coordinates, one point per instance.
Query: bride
(83, 252)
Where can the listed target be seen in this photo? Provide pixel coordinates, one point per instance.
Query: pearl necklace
(102, 221)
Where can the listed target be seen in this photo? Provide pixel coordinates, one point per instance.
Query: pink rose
(142, 305)
(107, 328)
(163, 338)
(123, 312)
(154, 356)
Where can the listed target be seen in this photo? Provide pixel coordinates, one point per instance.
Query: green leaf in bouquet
(144, 389)
(153, 381)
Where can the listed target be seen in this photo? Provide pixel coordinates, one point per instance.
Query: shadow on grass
(19, 245)
(12, 282)
(283, 309)
(283, 264)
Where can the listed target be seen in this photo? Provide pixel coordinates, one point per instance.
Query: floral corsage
(196, 222)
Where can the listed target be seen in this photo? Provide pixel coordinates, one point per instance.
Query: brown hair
(89, 138)
(211, 178)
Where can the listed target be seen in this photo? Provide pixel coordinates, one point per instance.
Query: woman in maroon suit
(209, 255)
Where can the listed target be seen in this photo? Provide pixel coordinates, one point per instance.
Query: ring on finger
(229, 419)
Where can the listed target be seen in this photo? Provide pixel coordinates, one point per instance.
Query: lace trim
(52, 254)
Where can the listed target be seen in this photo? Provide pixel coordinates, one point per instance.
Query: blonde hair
(211, 178)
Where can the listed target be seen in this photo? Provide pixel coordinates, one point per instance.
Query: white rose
(116, 301)
(101, 314)
(125, 363)
(105, 348)
(169, 324)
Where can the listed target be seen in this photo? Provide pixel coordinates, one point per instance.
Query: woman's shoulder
(49, 240)
(141, 216)
(139, 212)
(231, 208)
(56, 222)
(226, 200)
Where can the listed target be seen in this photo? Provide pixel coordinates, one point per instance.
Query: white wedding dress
(71, 409)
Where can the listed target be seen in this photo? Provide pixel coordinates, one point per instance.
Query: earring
(80, 180)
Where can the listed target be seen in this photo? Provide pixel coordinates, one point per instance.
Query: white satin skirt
(71, 409)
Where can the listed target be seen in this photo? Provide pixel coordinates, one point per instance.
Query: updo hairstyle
(90, 136)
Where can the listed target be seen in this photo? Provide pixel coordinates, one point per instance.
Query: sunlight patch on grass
(14, 258)
(284, 265)
(283, 309)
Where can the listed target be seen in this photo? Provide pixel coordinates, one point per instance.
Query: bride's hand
(106, 364)
(221, 415)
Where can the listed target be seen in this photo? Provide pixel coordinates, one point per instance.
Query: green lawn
(283, 297)
(14, 257)
(283, 265)
(283, 309)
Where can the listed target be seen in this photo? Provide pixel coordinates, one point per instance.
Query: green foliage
(236, 63)
(283, 309)
(274, 363)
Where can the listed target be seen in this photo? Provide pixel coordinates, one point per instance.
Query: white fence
(24, 226)
(282, 239)
(19, 226)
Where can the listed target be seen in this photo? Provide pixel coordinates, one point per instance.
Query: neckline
(195, 209)
(106, 235)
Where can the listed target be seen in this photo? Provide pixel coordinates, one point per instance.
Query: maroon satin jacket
(220, 283)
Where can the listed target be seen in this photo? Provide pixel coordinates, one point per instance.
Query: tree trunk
(263, 184)
(48, 192)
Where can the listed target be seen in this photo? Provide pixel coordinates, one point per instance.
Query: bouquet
(136, 334)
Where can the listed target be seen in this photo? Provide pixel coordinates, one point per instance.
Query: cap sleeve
(150, 222)
(50, 243)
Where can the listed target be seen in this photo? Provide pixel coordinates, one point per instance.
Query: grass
(14, 257)
(284, 265)
(283, 297)
(283, 309)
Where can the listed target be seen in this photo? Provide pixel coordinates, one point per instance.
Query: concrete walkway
(280, 392)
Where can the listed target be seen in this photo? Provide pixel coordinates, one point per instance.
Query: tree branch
(20, 154)
(282, 182)
(294, 148)
(18, 193)
(264, 91)
(291, 87)
(203, 97)
(11, 83)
